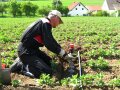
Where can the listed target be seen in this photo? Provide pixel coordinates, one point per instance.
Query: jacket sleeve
(48, 39)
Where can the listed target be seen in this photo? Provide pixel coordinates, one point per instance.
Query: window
(79, 4)
(82, 8)
(76, 8)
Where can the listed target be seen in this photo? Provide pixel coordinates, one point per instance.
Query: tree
(56, 4)
(3, 7)
(44, 10)
(64, 10)
(34, 9)
(14, 8)
(27, 8)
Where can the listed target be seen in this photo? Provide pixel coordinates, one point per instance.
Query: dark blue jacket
(38, 34)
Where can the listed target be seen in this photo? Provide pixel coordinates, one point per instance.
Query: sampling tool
(71, 64)
(4, 74)
(80, 69)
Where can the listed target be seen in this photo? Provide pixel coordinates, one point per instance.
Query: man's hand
(69, 56)
(66, 56)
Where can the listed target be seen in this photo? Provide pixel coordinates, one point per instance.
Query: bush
(101, 13)
(105, 13)
(3, 7)
(44, 10)
(15, 8)
(34, 9)
(64, 10)
(118, 12)
(27, 8)
(56, 4)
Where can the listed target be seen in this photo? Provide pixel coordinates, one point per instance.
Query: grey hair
(50, 16)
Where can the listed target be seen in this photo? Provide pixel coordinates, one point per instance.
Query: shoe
(29, 74)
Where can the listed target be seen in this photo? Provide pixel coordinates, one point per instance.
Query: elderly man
(39, 34)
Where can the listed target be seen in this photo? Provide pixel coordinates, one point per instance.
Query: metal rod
(0, 63)
(80, 70)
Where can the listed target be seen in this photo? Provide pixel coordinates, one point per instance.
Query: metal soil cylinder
(4, 75)
(0, 72)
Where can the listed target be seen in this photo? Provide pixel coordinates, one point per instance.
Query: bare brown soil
(31, 84)
(27, 83)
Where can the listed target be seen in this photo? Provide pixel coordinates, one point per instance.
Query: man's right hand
(68, 57)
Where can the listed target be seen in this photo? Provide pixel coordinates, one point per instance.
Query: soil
(28, 83)
(112, 72)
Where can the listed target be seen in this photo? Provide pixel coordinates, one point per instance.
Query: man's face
(55, 21)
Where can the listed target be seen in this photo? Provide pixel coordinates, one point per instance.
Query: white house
(111, 6)
(77, 9)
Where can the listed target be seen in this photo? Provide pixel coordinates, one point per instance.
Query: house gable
(77, 9)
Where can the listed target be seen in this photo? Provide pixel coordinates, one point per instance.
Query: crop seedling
(45, 79)
(98, 37)
(7, 62)
(15, 83)
(70, 81)
(87, 79)
(99, 82)
(114, 82)
(65, 81)
(100, 63)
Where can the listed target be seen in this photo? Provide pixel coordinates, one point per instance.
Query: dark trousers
(37, 63)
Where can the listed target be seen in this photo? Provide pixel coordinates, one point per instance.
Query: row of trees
(30, 9)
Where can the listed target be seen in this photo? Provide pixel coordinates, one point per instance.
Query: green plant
(15, 83)
(70, 81)
(74, 80)
(114, 82)
(45, 79)
(14, 8)
(7, 62)
(65, 81)
(99, 82)
(87, 79)
(3, 7)
(44, 10)
(100, 63)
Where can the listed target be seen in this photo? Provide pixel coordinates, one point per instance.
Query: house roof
(93, 8)
(113, 4)
(74, 4)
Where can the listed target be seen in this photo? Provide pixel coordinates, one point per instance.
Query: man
(39, 34)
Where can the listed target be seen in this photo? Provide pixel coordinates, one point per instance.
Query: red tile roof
(70, 7)
(92, 8)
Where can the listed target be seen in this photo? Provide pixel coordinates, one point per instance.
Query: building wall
(105, 6)
(79, 10)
